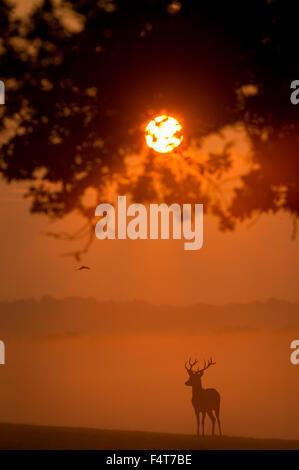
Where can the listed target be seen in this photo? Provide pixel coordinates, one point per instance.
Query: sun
(163, 134)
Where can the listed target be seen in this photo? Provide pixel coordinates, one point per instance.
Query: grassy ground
(15, 436)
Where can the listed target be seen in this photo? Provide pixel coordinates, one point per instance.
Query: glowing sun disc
(163, 134)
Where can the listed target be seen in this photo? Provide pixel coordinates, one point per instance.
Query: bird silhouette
(82, 267)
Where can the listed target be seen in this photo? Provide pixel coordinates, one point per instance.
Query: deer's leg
(197, 422)
(203, 423)
(212, 417)
(218, 421)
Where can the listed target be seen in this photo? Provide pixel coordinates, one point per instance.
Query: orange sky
(251, 263)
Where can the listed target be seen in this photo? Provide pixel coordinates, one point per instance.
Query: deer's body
(204, 400)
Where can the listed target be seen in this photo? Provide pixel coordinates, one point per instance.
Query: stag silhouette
(203, 400)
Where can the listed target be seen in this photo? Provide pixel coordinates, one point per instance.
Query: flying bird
(82, 267)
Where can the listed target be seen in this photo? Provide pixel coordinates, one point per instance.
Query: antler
(206, 366)
(191, 364)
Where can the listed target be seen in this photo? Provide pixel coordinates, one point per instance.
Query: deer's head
(195, 375)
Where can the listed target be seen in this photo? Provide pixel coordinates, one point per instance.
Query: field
(22, 437)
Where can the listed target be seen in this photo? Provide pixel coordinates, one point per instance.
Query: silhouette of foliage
(81, 79)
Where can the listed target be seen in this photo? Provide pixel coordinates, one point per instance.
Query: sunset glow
(163, 134)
